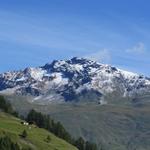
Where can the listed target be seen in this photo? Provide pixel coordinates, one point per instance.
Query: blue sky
(34, 32)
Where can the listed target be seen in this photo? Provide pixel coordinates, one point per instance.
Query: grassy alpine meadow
(36, 137)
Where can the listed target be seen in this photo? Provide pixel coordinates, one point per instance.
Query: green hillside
(36, 137)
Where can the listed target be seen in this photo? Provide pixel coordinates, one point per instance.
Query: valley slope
(36, 138)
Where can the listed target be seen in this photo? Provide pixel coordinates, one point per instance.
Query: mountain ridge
(68, 80)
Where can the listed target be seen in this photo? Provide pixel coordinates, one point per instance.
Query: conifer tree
(24, 134)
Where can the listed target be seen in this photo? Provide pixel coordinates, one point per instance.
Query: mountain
(71, 91)
(77, 79)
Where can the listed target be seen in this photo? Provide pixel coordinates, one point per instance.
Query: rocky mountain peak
(69, 80)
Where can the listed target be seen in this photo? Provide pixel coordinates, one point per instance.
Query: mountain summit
(77, 79)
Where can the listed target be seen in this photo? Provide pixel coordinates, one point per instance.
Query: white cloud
(102, 56)
(139, 48)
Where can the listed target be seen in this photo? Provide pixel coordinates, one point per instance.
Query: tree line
(46, 122)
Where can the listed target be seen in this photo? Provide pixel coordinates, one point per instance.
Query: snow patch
(59, 63)
(77, 67)
(21, 79)
(58, 79)
(128, 74)
(37, 73)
